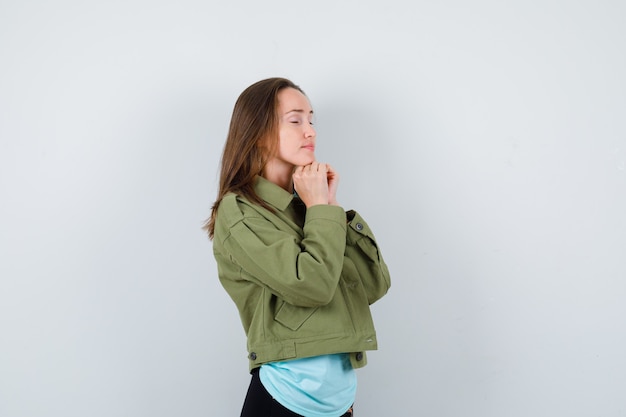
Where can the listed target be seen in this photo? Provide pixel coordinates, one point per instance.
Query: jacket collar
(272, 193)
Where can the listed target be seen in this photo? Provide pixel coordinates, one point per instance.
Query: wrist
(314, 203)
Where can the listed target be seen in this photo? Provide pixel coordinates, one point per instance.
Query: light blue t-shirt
(320, 386)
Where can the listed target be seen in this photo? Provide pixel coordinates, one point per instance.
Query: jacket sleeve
(304, 273)
(362, 249)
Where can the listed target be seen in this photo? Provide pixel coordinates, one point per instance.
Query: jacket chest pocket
(293, 317)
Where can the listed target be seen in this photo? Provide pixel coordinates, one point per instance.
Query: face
(296, 135)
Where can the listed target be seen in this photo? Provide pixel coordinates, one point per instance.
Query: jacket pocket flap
(293, 317)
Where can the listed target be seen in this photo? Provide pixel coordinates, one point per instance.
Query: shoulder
(232, 210)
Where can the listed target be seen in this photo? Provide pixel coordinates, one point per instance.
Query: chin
(303, 162)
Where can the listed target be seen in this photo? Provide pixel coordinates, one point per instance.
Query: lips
(309, 147)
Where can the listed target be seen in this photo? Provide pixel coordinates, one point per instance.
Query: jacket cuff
(326, 212)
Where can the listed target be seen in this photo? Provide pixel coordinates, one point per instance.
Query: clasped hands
(316, 183)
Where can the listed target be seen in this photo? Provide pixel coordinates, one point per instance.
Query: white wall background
(484, 141)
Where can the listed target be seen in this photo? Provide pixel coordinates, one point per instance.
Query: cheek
(288, 143)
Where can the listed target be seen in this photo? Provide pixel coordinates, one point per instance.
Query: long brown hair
(252, 139)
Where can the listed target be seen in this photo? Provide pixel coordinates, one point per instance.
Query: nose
(309, 131)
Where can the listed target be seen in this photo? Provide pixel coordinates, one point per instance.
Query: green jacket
(302, 279)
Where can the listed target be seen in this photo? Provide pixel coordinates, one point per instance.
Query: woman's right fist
(311, 183)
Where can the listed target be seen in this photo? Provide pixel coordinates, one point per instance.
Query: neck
(279, 174)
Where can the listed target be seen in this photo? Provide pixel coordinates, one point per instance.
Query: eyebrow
(297, 111)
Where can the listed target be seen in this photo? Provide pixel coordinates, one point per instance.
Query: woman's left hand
(333, 184)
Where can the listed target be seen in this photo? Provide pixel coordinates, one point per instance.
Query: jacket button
(359, 356)
(359, 226)
(252, 356)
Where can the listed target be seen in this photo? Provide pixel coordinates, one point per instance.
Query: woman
(301, 271)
